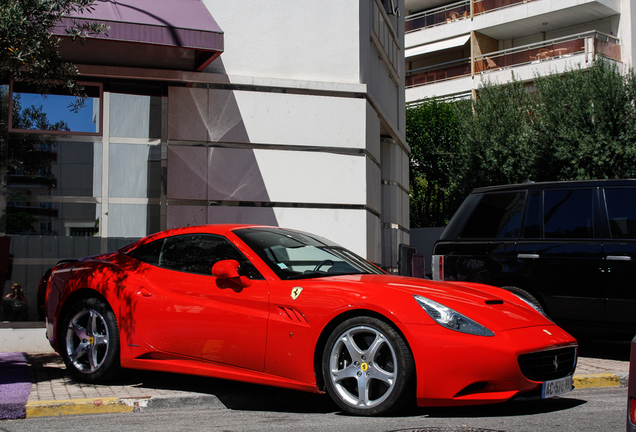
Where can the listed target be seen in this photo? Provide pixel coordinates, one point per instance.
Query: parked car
(281, 307)
(631, 390)
(567, 247)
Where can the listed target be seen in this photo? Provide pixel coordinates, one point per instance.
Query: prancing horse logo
(296, 292)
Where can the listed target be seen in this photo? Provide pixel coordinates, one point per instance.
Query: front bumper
(460, 369)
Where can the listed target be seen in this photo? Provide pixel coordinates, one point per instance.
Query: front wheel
(528, 297)
(90, 341)
(367, 366)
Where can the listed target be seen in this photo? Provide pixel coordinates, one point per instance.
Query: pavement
(36, 385)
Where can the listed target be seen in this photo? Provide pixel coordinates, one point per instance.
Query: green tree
(577, 125)
(29, 51)
(497, 135)
(433, 134)
(587, 124)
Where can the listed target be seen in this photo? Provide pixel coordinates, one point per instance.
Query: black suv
(568, 247)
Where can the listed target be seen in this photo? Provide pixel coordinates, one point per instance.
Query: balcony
(589, 43)
(483, 6)
(437, 16)
(438, 72)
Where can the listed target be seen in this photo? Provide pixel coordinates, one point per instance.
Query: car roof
(220, 229)
(557, 185)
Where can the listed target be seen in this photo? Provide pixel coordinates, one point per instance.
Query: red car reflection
(286, 308)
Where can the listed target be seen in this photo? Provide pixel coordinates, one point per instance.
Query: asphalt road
(582, 410)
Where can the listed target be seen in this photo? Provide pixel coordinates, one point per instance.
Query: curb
(597, 381)
(76, 406)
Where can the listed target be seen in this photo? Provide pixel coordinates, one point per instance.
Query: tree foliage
(577, 125)
(29, 51)
(432, 132)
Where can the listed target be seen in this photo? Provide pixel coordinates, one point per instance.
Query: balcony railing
(589, 43)
(439, 72)
(437, 16)
(483, 6)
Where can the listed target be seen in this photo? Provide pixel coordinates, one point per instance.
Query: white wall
(292, 136)
(312, 41)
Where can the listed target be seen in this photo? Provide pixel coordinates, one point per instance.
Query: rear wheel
(367, 366)
(89, 339)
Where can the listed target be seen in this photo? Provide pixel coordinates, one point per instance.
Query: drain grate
(447, 429)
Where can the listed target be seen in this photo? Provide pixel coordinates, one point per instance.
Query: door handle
(528, 256)
(618, 258)
(144, 292)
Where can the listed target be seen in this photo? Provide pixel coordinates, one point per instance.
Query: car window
(197, 253)
(496, 216)
(148, 253)
(568, 213)
(532, 220)
(621, 211)
(296, 255)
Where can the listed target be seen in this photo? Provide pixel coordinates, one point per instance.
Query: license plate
(556, 387)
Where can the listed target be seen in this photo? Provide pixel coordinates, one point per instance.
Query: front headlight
(451, 319)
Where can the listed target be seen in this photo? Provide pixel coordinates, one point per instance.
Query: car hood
(493, 307)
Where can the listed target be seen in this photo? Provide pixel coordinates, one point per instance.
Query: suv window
(532, 221)
(496, 216)
(621, 211)
(568, 213)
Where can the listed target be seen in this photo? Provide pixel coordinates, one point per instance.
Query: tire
(366, 355)
(89, 341)
(527, 296)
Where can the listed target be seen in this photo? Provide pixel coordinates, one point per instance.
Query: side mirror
(228, 270)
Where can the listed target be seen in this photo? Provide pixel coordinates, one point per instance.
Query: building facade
(203, 111)
(451, 48)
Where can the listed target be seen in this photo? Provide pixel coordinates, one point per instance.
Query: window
(193, 253)
(296, 255)
(532, 221)
(621, 211)
(496, 216)
(56, 112)
(148, 253)
(568, 214)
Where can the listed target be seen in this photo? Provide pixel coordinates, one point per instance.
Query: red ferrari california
(285, 308)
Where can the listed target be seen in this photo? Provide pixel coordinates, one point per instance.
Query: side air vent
(291, 314)
(494, 302)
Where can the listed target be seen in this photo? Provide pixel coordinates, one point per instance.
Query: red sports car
(282, 307)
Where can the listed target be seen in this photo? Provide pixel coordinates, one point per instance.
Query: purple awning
(185, 24)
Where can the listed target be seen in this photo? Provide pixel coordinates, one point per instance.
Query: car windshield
(297, 255)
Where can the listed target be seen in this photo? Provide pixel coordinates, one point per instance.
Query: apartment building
(451, 48)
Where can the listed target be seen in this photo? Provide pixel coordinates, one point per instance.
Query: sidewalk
(53, 392)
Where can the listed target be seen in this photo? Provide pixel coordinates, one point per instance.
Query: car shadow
(233, 394)
(512, 408)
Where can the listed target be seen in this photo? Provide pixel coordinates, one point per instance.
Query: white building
(208, 111)
(453, 47)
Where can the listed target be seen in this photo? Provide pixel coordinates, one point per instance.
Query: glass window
(568, 214)
(621, 210)
(296, 255)
(148, 253)
(197, 253)
(496, 216)
(56, 112)
(26, 215)
(532, 221)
